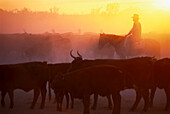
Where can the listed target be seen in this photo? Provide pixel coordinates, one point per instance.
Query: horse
(125, 49)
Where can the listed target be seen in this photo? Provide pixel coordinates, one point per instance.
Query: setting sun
(163, 4)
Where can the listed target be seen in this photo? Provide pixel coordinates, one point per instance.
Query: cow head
(76, 59)
(57, 81)
(76, 62)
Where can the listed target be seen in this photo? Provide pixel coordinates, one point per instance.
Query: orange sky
(82, 6)
(154, 14)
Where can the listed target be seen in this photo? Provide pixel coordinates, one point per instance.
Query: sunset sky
(154, 14)
(82, 6)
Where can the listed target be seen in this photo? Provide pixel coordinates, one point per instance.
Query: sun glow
(163, 4)
(87, 15)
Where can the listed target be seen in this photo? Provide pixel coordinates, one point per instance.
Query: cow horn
(79, 54)
(72, 54)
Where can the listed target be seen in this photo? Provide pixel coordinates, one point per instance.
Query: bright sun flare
(163, 4)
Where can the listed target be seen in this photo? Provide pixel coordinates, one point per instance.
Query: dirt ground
(22, 101)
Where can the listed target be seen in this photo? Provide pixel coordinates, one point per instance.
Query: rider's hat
(136, 16)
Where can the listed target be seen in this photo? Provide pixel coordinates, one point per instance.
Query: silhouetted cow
(56, 69)
(140, 69)
(100, 79)
(74, 66)
(162, 77)
(25, 76)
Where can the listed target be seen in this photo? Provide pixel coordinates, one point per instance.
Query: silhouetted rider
(135, 32)
(134, 36)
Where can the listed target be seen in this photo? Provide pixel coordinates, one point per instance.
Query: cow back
(102, 79)
(24, 76)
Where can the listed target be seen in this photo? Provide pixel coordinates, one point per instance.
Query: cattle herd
(82, 78)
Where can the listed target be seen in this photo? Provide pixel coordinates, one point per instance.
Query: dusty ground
(23, 100)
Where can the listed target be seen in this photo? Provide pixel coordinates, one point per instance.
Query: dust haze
(27, 35)
(56, 47)
(48, 36)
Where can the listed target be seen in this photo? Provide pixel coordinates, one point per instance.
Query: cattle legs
(145, 94)
(95, 102)
(139, 94)
(72, 100)
(167, 91)
(59, 95)
(109, 101)
(86, 103)
(3, 93)
(11, 96)
(60, 101)
(153, 90)
(117, 103)
(36, 94)
(67, 99)
(49, 91)
(138, 98)
(43, 94)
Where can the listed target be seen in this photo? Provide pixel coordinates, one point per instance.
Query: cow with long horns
(139, 68)
(78, 60)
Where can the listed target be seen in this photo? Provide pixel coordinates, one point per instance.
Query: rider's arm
(130, 32)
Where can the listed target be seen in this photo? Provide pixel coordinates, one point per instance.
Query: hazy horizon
(109, 16)
(83, 6)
